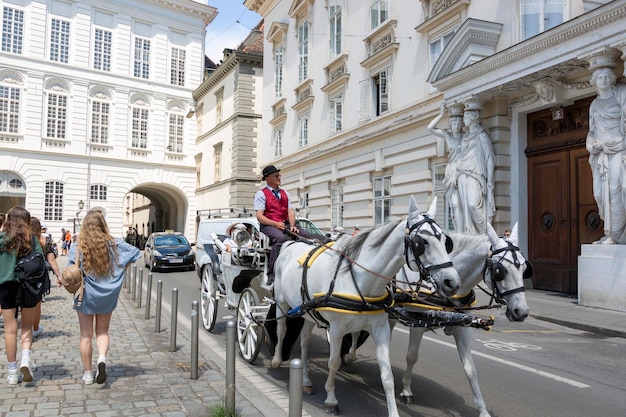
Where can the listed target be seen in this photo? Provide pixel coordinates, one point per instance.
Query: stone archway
(151, 207)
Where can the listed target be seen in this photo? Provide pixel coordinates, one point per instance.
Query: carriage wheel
(249, 333)
(208, 299)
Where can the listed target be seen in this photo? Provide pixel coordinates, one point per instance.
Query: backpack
(32, 272)
(55, 248)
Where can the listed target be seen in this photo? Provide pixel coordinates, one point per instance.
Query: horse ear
(514, 234)
(494, 239)
(413, 209)
(432, 210)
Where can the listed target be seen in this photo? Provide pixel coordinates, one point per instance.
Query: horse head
(505, 271)
(427, 249)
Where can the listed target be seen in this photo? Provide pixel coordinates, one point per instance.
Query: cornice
(237, 58)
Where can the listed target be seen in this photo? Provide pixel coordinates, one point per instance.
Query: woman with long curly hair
(103, 260)
(16, 241)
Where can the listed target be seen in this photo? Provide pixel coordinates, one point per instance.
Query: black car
(169, 250)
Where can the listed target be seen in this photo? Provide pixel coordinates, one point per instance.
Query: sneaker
(88, 378)
(101, 375)
(14, 377)
(38, 332)
(27, 369)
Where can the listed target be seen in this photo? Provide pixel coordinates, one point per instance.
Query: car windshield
(174, 240)
(309, 226)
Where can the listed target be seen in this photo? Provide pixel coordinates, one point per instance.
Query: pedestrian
(103, 260)
(67, 241)
(16, 240)
(507, 233)
(47, 244)
(275, 215)
(62, 242)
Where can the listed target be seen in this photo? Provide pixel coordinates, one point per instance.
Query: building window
(9, 109)
(303, 51)
(140, 128)
(437, 46)
(278, 143)
(219, 104)
(540, 15)
(177, 72)
(57, 116)
(98, 192)
(53, 201)
(217, 169)
(335, 8)
(336, 206)
(279, 56)
(142, 58)
(382, 199)
(381, 89)
(379, 12)
(102, 44)
(335, 107)
(100, 113)
(12, 30)
(60, 41)
(177, 122)
(303, 130)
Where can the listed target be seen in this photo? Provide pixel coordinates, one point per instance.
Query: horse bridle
(498, 271)
(418, 246)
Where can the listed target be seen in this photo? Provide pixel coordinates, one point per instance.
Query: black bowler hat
(269, 170)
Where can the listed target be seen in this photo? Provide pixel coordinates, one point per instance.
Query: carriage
(238, 276)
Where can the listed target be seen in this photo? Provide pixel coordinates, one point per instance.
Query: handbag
(32, 272)
(72, 279)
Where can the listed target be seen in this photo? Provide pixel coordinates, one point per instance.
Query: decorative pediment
(474, 41)
(437, 12)
(304, 95)
(279, 112)
(300, 8)
(381, 44)
(336, 73)
(277, 33)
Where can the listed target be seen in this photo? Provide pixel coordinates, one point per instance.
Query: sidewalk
(145, 379)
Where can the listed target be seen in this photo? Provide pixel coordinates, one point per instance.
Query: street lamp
(81, 206)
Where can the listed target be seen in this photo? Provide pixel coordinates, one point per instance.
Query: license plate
(176, 261)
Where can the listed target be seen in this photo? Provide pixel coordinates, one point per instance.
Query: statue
(606, 143)
(453, 137)
(475, 176)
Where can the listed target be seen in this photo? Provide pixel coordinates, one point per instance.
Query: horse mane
(353, 244)
(464, 241)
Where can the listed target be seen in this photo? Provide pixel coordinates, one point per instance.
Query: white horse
(347, 289)
(499, 262)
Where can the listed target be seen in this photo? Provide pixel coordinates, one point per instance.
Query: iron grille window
(60, 41)
(9, 109)
(102, 45)
(12, 30)
(53, 201)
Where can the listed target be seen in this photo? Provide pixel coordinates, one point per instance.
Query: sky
(231, 26)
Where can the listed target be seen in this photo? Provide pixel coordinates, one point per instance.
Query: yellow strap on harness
(318, 251)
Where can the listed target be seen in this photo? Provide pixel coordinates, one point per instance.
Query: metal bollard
(159, 296)
(129, 278)
(134, 283)
(174, 320)
(194, 339)
(295, 388)
(125, 281)
(148, 296)
(140, 288)
(229, 402)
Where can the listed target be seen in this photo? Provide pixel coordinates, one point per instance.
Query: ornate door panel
(562, 213)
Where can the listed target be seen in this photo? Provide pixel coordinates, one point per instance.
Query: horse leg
(412, 354)
(281, 330)
(381, 334)
(350, 357)
(463, 338)
(305, 341)
(335, 336)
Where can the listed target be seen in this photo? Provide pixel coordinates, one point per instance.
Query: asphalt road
(533, 368)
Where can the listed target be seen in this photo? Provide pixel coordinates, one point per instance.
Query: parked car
(169, 250)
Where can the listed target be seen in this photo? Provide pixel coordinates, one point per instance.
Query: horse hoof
(333, 410)
(308, 390)
(275, 364)
(406, 399)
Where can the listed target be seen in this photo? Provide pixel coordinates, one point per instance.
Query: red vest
(275, 209)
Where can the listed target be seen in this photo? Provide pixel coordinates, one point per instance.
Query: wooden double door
(562, 213)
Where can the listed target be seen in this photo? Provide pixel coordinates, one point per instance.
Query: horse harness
(498, 271)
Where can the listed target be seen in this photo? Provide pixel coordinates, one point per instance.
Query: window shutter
(364, 100)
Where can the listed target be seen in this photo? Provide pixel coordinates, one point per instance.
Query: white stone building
(351, 85)
(228, 113)
(93, 103)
